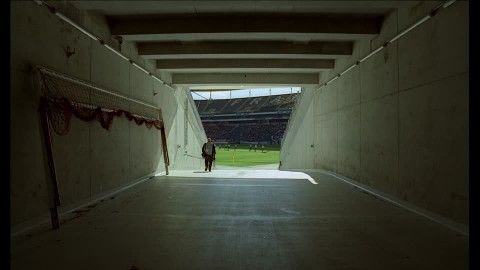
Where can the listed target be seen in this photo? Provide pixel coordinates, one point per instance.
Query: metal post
(166, 159)
(51, 164)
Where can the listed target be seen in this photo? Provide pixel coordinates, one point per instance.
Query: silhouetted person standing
(208, 153)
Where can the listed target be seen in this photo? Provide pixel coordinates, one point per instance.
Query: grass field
(242, 157)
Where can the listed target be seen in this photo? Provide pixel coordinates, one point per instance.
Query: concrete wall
(90, 160)
(188, 134)
(399, 121)
(297, 149)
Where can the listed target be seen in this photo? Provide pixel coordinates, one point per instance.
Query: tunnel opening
(371, 170)
(247, 125)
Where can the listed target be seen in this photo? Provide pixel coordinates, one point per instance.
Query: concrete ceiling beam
(256, 49)
(246, 23)
(243, 79)
(182, 64)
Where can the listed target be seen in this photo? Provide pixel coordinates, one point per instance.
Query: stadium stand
(259, 120)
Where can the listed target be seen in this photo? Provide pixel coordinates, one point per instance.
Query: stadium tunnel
(105, 139)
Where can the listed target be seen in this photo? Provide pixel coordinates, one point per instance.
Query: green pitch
(242, 157)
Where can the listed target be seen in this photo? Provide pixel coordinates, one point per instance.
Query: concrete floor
(249, 223)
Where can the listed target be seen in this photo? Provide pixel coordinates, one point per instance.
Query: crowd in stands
(232, 132)
(244, 105)
(245, 127)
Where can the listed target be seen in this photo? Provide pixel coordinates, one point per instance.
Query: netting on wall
(64, 97)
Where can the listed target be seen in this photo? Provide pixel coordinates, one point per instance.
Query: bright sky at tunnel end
(253, 92)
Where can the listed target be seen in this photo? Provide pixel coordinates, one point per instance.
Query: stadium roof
(218, 88)
(242, 93)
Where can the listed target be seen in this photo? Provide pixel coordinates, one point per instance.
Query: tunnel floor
(243, 223)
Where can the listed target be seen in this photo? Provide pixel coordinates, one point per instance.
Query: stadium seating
(268, 133)
(246, 105)
(257, 119)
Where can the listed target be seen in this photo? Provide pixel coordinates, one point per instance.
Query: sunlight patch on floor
(242, 173)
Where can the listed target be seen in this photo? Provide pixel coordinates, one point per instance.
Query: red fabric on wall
(60, 112)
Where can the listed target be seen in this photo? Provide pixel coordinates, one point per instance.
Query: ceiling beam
(220, 90)
(182, 64)
(246, 23)
(245, 79)
(243, 49)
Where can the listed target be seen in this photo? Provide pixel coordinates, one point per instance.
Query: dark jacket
(204, 154)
